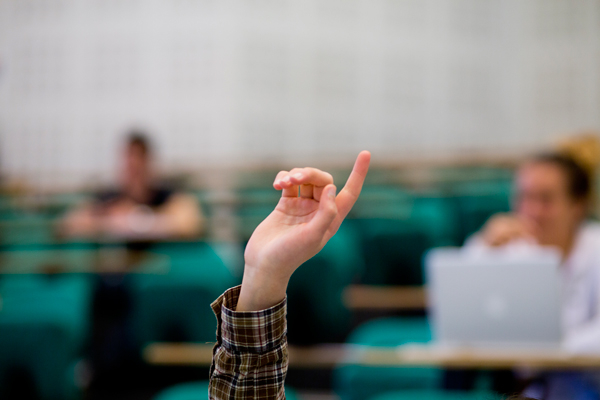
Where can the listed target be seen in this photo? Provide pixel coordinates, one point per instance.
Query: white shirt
(580, 273)
(581, 292)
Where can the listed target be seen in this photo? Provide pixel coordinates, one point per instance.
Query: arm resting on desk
(250, 358)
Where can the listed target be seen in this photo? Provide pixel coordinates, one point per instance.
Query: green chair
(203, 197)
(199, 391)
(254, 206)
(176, 306)
(476, 202)
(27, 229)
(56, 205)
(397, 226)
(392, 251)
(316, 311)
(355, 382)
(437, 395)
(394, 247)
(383, 202)
(435, 215)
(44, 326)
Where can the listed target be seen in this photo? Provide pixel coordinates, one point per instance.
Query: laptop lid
(494, 299)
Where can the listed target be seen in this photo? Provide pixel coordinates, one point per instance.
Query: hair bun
(584, 149)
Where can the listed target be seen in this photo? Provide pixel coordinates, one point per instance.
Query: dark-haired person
(554, 197)
(139, 209)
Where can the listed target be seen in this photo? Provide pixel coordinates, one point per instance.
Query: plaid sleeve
(250, 359)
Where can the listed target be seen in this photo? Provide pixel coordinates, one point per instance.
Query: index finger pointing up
(349, 194)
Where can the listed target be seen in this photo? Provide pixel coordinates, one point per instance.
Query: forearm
(250, 358)
(260, 291)
(144, 227)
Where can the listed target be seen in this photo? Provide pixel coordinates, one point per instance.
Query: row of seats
(458, 209)
(45, 320)
(199, 391)
(173, 306)
(44, 326)
(456, 212)
(394, 227)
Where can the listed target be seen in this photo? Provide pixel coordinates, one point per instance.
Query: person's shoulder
(590, 230)
(589, 239)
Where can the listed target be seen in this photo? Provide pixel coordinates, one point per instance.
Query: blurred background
(203, 102)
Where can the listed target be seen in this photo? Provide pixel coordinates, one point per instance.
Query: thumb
(327, 211)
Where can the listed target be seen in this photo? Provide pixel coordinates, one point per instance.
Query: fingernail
(298, 175)
(286, 179)
(332, 193)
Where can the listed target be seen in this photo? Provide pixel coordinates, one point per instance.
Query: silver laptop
(493, 299)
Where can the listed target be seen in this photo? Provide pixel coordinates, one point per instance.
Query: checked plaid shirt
(250, 359)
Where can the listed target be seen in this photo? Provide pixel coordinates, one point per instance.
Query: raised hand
(308, 214)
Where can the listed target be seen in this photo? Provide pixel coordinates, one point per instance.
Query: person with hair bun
(553, 206)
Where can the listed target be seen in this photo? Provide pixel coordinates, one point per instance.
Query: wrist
(261, 290)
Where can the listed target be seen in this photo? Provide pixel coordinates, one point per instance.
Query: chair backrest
(316, 311)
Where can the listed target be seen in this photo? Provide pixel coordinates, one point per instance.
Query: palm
(284, 238)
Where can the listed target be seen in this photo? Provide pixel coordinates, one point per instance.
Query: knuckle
(280, 175)
(313, 171)
(331, 209)
(307, 172)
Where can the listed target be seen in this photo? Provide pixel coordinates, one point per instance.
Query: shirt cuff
(248, 331)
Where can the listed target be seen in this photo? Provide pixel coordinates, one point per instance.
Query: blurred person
(140, 209)
(553, 204)
(138, 212)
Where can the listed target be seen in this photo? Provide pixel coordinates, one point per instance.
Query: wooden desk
(330, 355)
(96, 261)
(373, 297)
(431, 355)
(199, 354)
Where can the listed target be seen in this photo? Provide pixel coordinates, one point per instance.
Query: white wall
(220, 82)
